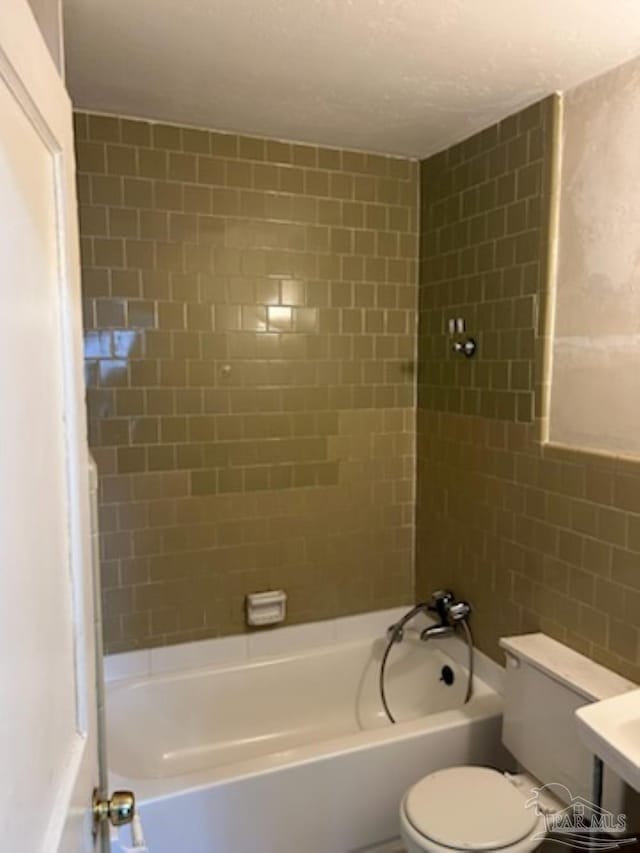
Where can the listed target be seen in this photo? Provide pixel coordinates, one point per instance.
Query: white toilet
(469, 808)
(481, 809)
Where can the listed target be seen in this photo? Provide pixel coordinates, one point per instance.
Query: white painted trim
(30, 75)
(610, 456)
(551, 268)
(59, 813)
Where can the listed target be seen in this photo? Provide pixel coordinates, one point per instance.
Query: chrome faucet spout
(433, 632)
(451, 614)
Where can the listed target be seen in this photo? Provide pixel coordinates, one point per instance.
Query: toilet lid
(469, 808)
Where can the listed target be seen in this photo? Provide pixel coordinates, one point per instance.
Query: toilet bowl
(469, 808)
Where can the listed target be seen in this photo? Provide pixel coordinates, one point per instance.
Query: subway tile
(91, 157)
(278, 152)
(224, 144)
(152, 163)
(584, 531)
(153, 225)
(166, 196)
(196, 141)
(182, 167)
(135, 132)
(251, 148)
(168, 137)
(220, 364)
(197, 200)
(137, 193)
(121, 160)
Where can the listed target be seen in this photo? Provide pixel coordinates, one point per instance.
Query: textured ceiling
(399, 76)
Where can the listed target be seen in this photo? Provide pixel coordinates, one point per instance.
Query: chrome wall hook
(466, 348)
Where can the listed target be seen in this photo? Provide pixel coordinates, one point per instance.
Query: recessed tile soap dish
(266, 608)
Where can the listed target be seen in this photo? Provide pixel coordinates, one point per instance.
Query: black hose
(395, 635)
(383, 666)
(469, 636)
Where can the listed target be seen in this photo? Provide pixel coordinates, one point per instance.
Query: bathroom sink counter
(611, 729)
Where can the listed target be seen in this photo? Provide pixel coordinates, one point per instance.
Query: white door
(48, 744)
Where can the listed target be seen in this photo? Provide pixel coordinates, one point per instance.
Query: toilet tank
(545, 682)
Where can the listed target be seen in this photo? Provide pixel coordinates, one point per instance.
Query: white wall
(48, 14)
(595, 396)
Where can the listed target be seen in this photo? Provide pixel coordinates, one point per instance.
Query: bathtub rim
(412, 635)
(263, 644)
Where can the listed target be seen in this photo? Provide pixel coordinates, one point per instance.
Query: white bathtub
(290, 752)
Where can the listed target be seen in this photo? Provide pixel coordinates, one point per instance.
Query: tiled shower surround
(536, 537)
(250, 338)
(250, 310)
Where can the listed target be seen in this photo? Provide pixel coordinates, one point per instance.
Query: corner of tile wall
(538, 538)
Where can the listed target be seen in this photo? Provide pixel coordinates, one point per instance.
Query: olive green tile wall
(484, 235)
(250, 311)
(536, 537)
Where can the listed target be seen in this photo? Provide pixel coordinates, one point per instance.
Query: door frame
(30, 75)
